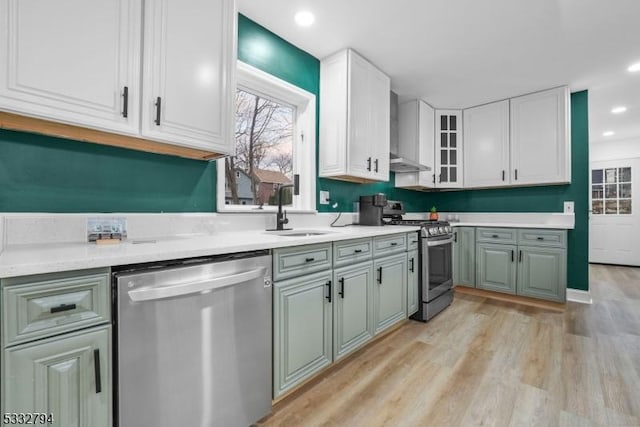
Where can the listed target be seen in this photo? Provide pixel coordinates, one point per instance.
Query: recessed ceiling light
(618, 110)
(304, 18)
(608, 133)
(634, 67)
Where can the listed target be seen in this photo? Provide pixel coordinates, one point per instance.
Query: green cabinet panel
(352, 317)
(300, 260)
(508, 236)
(542, 273)
(390, 290)
(302, 328)
(464, 256)
(496, 267)
(412, 282)
(58, 376)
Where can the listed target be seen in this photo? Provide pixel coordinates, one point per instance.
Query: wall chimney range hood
(398, 163)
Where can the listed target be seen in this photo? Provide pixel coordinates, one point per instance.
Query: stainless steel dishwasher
(194, 342)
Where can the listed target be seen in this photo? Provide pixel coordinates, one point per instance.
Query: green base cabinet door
(68, 377)
(352, 316)
(412, 282)
(496, 267)
(542, 273)
(302, 319)
(390, 290)
(464, 253)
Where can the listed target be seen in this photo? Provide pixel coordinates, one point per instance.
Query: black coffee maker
(371, 207)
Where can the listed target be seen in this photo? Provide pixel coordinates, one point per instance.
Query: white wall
(614, 150)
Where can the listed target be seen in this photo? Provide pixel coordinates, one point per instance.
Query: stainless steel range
(436, 260)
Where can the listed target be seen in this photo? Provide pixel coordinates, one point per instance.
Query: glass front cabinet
(448, 170)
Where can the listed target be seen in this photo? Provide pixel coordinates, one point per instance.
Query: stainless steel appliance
(194, 342)
(436, 260)
(370, 209)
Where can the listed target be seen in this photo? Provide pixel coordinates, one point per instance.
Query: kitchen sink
(298, 233)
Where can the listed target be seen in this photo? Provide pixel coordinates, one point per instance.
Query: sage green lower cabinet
(61, 376)
(412, 282)
(390, 290)
(496, 267)
(464, 256)
(542, 273)
(352, 317)
(302, 328)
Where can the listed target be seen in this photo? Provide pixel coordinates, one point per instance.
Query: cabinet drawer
(352, 251)
(507, 236)
(546, 238)
(299, 260)
(386, 245)
(48, 307)
(412, 241)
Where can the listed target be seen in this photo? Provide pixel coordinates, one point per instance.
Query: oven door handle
(160, 292)
(439, 242)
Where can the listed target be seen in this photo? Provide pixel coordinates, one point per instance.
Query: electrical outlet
(568, 207)
(324, 198)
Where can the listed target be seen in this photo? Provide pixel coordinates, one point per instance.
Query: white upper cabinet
(540, 138)
(73, 61)
(416, 121)
(189, 63)
(486, 145)
(354, 119)
(448, 153)
(81, 62)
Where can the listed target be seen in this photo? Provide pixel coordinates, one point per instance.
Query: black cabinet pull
(328, 285)
(512, 255)
(380, 275)
(369, 164)
(519, 256)
(495, 236)
(125, 102)
(413, 262)
(357, 251)
(62, 307)
(439, 178)
(309, 259)
(434, 178)
(540, 238)
(376, 165)
(516, 174)
(503, 175)
(394, 243)
(158, 110)
(341, 287)
(455, 237)
(96, 369)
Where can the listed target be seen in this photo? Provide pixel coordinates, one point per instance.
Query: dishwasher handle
(161, 292)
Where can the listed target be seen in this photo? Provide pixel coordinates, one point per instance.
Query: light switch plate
(568, 207)
(324, 198)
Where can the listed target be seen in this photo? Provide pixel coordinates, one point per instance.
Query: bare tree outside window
(264, 151)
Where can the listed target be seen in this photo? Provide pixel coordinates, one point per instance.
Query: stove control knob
(448, 229)
(442, 230)
(433, 231)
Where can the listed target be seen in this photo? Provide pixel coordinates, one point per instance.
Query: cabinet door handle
(434, 178)
(341, 287)
(519, 256)
(455, 237)
(394, 243)
(413, 262)
(540, 238)
(380, 275)
(439, 177)
(357, 251)
(512, 255)
(96, 370)
(309, 259)
(158, 110)
(495, 236)
(516, 174)
(503, 175)
(376, 165)
(62, 307)
(369, 164)
(328, 285)
(125, 102)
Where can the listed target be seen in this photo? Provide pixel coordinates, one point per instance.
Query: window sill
(266, 211)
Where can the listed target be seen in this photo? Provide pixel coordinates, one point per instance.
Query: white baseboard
(576, 295)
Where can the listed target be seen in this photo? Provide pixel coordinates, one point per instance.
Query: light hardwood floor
(487, 362)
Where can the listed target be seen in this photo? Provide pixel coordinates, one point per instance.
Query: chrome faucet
(281, 216)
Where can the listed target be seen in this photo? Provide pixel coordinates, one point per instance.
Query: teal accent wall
(544, 199)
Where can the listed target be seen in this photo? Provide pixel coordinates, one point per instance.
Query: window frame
(256, 81)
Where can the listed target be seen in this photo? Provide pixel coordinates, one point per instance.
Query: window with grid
(611, 191)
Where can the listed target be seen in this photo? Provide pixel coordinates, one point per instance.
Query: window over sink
(274, 140)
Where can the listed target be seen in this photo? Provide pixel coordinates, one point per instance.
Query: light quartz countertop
(27, 259)
(510, 225)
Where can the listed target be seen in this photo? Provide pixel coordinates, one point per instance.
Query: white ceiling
(461, 53)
